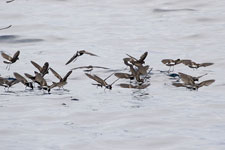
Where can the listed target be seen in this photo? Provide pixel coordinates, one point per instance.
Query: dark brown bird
(135, 61)
(62, 81)
(101, 82)
(142, 86)
(194, 65)
(90, 68)
(135, 73)
(10, 59)
(189, 80)
(6, 83)
(171, 62)
(23, 80)
(79, 53)
(195, 86)
(42, 82)
(43, 70)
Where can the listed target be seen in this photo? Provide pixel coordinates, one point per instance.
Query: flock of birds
(138, 75)
(188, 81)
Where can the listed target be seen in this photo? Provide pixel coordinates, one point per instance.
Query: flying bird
(139, 61)
(23, 80)
(100, 81)
(171, 63)
(90, 68)
(42, 70)
(189, 80)
(194, 65)
(7, 83)
(62, 81)
(79, 53)
(195, 86)
(10, 60)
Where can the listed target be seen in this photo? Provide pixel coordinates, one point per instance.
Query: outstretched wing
(206, 83)
(205, 64)
(6, 27)
(187, 79)
(143, 56)
(96, 78)
(56, 74)
(36, 65)
(29, 76)
(16, 55)
(40, 80)
(72, 58)
(132, 57)
(89, 67)
(100, 67)
(86, 52)
(44, 70)
(4, 55)
(67, 75)
(80, 67)
(20, 78)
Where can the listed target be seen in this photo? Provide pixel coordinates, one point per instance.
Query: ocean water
(85, 117)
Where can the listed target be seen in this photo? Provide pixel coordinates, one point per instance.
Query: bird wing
(4, 55)
(206, 83)
(67, 75)
(40, 80)
(56, 74)
(100, 67)
(16, 55)
(143, 56)
(187, 79)
(20, 78)
(80, 67)
(205, 64)
(36, 65)
(132, 57)
(96, 78)
(90, 76)
(44, 69)
(86, 52)
(7, 26)
(29, 76)
(72, 58)
(100, 80)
